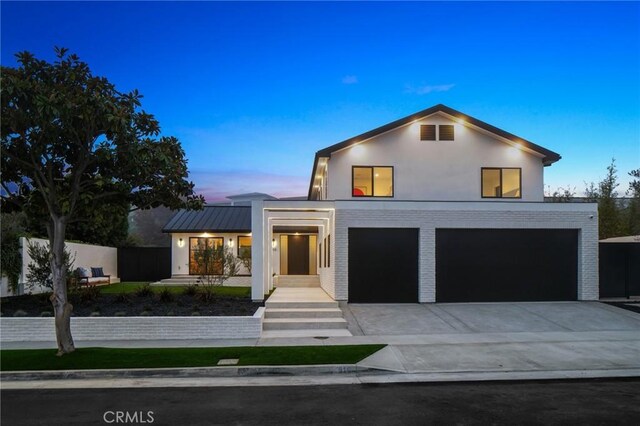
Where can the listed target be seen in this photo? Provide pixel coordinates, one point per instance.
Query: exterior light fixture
(274, 244)
(180, 242)
(230, 242)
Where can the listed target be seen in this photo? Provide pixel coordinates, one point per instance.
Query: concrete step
(297, 281)
(312, 333)
(303, 313)
(300, 305)
(303, 323)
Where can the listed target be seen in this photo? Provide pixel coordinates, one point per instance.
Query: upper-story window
(501, 182)
(428, 132)
(372, 181)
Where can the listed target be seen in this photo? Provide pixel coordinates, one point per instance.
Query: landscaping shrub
(122, 298)
(165, 295)
(145, 313)
(46, 314)
(94, 314)
(120, 314)
(206, 294)
(195, 314)
(143, 291)
(88, 294)
(190, 290)
(20, 313)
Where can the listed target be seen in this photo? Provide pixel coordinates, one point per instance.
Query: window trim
(393, 182)
(482, 169)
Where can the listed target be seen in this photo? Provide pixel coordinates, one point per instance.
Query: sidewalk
(437, 357)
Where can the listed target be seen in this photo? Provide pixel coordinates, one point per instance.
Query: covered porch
(292, 246)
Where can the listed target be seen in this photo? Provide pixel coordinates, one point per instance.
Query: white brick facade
(428, 216)
(134, 328)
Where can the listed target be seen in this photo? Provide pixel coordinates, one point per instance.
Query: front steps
(297, 281)
(302, 312)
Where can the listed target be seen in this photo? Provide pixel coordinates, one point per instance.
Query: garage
(383, 265)
(506, 265)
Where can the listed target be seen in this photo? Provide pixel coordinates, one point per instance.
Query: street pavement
(584, 402)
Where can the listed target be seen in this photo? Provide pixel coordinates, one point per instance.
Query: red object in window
(357, 192)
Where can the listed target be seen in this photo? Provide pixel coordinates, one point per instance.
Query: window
(329, 251)
(196, 246)
(428, 132)
(244, 247)
(445, 132)
(370, 181)
(501, 183)
(325, 252)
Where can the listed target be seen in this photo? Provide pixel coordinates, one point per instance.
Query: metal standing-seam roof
(211, 219)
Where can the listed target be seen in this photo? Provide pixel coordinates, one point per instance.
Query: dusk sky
(253, 90)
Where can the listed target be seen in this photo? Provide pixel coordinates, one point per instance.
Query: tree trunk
(61, 306)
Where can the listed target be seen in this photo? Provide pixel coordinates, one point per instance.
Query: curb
(190, 372)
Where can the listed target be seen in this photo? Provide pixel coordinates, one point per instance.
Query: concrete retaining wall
(135, 328)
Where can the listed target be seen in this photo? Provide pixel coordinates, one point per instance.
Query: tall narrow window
(501, 183)
(244, 247)
(329, 251)
(372, 181)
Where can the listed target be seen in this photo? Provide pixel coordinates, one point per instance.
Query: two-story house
(434, 207)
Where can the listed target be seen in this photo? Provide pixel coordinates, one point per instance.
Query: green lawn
(114, 358)
(130, 287)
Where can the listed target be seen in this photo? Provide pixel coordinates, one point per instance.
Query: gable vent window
(446, 132)
(428, 132)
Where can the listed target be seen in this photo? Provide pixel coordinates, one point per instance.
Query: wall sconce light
(180, 242)
(230, 242)
(274, 244)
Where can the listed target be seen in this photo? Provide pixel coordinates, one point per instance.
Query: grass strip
(131, 287)
(117, 358)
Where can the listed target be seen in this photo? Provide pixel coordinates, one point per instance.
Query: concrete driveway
(445, 318)
(480, 341)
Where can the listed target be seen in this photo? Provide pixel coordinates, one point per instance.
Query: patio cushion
(83, 272)
(97, 272)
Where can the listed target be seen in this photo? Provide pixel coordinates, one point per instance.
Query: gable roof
(211, 219)
(548, 157)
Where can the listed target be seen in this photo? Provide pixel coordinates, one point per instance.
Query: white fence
(86, 255)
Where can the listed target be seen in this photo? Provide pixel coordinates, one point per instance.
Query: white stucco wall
(428, 216)
(435, 170)
(180, 255)
(86, 255)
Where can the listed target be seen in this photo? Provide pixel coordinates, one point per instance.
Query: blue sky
(254, 89)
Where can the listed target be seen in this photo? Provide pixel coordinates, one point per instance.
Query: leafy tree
(563, 195)
(609, 220)
(633, 209)
(13, 227)
(70, 138)
(39, 269)
(102, 223)
(216, 264)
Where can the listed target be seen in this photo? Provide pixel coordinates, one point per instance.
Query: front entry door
(298, 254)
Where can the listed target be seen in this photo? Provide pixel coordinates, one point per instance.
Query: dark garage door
(506, 265)
(383, 265)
